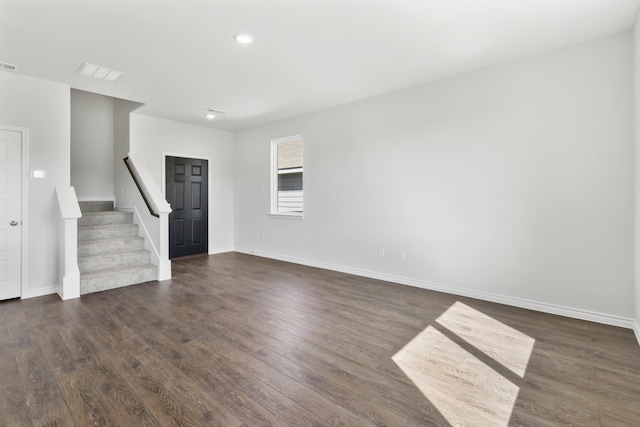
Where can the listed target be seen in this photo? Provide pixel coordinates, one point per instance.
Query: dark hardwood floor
(236, 340)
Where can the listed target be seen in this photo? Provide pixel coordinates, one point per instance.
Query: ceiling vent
(99, 72)
(8, 67)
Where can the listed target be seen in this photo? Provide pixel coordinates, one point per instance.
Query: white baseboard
(636, 329)
(485, 296)
(33, 293)
(213, 251)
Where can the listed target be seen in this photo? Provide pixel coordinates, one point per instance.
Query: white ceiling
(179, 56)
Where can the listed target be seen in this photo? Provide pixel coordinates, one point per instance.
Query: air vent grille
(102, 73)
(8, 67)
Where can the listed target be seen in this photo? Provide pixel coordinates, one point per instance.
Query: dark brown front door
(187, 191)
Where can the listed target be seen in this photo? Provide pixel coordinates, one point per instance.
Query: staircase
(110, 252)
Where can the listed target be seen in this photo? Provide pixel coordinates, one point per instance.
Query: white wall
(512, 183)
(42, 107)
(636, 115)
(92, 145)
(150, 137)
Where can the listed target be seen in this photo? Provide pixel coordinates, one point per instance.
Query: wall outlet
(401, 255)
(262, 237)
(381, 252)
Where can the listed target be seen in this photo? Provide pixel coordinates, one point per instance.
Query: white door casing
(10, 213)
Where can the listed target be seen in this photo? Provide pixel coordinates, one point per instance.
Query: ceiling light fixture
(99, 72)
(211, 113)
(244, 38)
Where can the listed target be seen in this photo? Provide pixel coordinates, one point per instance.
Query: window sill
(290, 215)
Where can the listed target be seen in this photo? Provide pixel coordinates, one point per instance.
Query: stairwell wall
(92, 129)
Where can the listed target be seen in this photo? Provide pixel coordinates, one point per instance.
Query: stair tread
(101, 212)
(105, 213)
(86, 242)
(108, 225)
(113, 254)
(105, 218)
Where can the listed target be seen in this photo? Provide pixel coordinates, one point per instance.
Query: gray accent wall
(92, 139)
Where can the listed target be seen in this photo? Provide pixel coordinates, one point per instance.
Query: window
(286, 176)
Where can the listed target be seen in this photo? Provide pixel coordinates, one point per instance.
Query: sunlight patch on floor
(505, 345)
(466, 390)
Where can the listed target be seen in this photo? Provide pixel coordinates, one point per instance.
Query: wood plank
(82, 395)
(253, 386)
(179, 398)
(13, 397)
(44, 401)
(359, 404)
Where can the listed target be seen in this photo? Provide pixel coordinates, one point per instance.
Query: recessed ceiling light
(99, 72)
(211, 113)
(244, 38)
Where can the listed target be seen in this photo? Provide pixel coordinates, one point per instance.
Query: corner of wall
(636, 167)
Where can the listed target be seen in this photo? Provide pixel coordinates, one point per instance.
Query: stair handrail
(154, 224)
(70, 212)
(150, 193)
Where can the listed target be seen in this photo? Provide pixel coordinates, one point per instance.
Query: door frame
(24, 229)
(163, 187)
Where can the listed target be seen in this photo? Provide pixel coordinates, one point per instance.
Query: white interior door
(10, 213)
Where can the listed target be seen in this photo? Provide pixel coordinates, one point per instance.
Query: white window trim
(274, 181)
(292, 170)
(289, 215)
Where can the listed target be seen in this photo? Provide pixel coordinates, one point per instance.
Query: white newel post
(71, 279)
(70, 212)
(164, 265)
